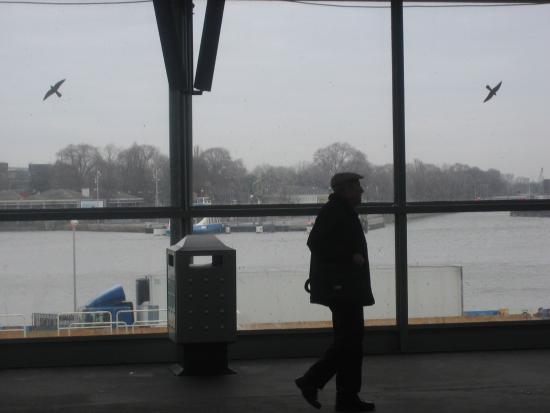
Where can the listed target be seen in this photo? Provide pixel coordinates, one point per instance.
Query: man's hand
(358, 260)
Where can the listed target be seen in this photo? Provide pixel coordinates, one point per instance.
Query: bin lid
(202, 242)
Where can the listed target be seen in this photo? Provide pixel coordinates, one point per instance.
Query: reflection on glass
(460, 144)
(116, 268)
(477, 267)
(273, 265)
(99, 138)
(292, 103)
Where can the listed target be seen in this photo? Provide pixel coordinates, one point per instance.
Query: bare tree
(136, 166)
(110, 173)
(339, 157)
(75, 166)
(273, 183)
(220, 176)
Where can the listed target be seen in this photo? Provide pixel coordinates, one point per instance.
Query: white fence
(154, 323)
(76, 319)
(14, 323)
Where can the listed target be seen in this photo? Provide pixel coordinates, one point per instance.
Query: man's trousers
(344, 358)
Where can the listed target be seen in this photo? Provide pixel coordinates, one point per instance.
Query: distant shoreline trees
(143, 171)
(140, 170)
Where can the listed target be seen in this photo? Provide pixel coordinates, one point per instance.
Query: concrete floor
(485, 382)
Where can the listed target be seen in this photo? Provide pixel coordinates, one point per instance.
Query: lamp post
(74, 223)
(156, 178)
(97, 175)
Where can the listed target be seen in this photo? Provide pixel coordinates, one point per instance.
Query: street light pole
(97, 175)
(156, 187)
(74, 223)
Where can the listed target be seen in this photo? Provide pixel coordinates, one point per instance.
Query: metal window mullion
(399, 162)
(187, 42)
(478, 206)
(278, 210)
(87, 213)
(175, 162)
(181, 124)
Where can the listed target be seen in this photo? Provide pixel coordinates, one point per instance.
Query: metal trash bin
(202, 303)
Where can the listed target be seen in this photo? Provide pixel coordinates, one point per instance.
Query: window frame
(175, 22)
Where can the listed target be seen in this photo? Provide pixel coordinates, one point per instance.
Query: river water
(505, 264)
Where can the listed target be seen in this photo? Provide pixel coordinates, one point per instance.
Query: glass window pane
(42, 263)
(100, 137)
(273, 265)
(299, 92)
(472, 267)
(381, 245)
(460, 147)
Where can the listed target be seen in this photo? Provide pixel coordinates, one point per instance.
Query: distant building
(546, 186)
(19, 179)
(4, 181)
(308, 198)
(65, 198)
(522, 180)
(40, 175)
(123, 199)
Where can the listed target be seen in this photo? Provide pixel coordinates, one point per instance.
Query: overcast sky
(289, 79)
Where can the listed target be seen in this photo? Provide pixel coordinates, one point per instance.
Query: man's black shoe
(308, 391)
(354, 404)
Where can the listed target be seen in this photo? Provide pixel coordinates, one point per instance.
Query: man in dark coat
(340, 279)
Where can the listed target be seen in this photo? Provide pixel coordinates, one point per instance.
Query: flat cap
(344, 177)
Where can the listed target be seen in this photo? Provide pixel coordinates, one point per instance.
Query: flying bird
(492, 91)
(54, 89)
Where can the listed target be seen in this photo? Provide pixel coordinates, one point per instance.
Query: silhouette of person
(339, 278)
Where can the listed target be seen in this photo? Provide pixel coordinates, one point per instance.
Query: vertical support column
(399, 164)
(187, 137)
(176, 163)
(181, 127)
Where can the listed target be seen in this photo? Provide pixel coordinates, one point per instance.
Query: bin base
(201, 359)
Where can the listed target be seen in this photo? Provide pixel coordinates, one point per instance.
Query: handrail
(96, 324)
(90, 325)
(14, 328)
(145, 323)
(148, 310)
(81, 313)
(149, 323)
